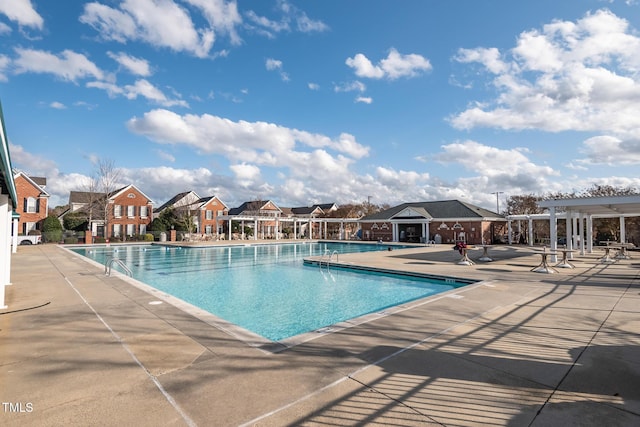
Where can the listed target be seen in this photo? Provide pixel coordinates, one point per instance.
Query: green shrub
(51, 229)
(70, 240)
(148, 237)
(99, 240)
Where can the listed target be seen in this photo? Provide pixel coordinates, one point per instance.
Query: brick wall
(25, 190)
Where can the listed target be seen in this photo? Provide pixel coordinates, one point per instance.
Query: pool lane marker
(153, 378)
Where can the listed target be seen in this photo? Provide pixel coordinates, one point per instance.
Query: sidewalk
(521, 348)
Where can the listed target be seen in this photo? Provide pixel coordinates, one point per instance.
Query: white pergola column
(425, 231)
(623, 231)
(326, 230)
(553, 231)
(509, 238)
(530, 231)
(581, 232)
(310, 225)
(394, 232)
(569, 227)
(589, 234)
(5, 246)
(295, 231)
(341, 230)
(255, 229)
(277, 231)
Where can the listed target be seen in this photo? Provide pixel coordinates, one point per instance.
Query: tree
(51, 229)
(106, 182)
(92, 198)
(76, 221)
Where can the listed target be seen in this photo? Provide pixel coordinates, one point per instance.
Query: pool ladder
(109, 264)
(329, 257)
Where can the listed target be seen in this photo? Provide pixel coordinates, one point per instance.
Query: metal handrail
(109, 264)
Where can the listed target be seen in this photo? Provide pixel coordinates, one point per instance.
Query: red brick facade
(130, 212)
(33, 204)
(208, 213)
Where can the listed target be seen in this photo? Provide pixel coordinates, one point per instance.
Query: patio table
(465, 257)
(485, 254)
(544, 266)
(564, 262)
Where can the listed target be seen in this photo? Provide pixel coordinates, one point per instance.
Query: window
(31, 205)
(131, 229)
(220, 213)
(143, 228)
(131, 211)
(143, 213)
(27, 227)
(117, 211)
(208, 228)
(209, 215)
(117, 230)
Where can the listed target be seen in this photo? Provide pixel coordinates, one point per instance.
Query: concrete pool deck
(521, 348)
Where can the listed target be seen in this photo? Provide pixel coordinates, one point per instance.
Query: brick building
(33, 201)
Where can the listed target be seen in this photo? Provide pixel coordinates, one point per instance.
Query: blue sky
(322, 101)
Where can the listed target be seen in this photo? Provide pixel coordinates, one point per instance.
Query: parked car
(29, 240)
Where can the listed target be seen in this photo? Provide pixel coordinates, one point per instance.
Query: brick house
(129, 211)
(208, 211)
(33, 201)
(447, 221)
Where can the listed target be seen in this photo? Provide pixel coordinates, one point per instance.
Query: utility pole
(498, 193)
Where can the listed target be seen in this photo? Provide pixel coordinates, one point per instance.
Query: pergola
(296, 222)
(577, 210)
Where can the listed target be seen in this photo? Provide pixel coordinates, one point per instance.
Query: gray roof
(437, 210)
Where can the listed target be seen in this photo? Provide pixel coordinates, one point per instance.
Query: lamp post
(498, 193)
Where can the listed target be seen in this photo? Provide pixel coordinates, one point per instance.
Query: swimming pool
(266, 289)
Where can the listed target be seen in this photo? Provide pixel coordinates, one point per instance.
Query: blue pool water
(267, 289)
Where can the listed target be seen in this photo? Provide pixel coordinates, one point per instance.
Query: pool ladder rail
(109, 265)
(329, 257)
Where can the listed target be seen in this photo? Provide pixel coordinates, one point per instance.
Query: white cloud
(568, 76)
(159, 23)
(136, 66)
(313, 86)
(289, 14)
(510, 168)
(141, 88)
(58, 105)
(222, 15)
(490, 58)
(255, 142)
(612, 151)
(4, 29)
(350, 87)
(22, 12)
(394, 66)
(165, 156)
(67, 65)
(276, 65)
(308, 25)
(273, 64)
(4, 65)
(245, 174)
(364, 99)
